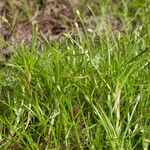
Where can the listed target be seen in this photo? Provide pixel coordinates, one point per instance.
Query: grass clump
(77, 96)
(90, 92)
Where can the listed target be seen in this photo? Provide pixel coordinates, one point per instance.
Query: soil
(50, 17)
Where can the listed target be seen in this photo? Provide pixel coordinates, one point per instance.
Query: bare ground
(50, 17)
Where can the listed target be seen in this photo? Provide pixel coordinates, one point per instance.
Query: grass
(90, 92)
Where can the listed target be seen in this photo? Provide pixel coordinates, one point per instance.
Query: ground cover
(88, 89)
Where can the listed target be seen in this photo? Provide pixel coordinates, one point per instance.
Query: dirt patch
(51, 17)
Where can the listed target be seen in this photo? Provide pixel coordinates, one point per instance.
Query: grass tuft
(86, 92)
